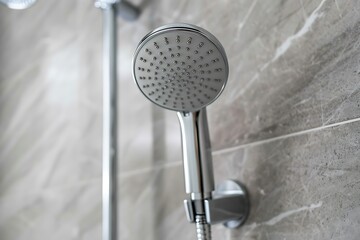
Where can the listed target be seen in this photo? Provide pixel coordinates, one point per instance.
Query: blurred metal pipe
(109, 201)
(111, 8)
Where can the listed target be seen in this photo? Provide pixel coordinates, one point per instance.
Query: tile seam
(127, 174)
(285, 136)
(131, 173)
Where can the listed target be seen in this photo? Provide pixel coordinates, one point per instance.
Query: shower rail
(111, 8)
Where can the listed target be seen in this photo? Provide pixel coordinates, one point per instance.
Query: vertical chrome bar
(109, 123)
(109, 201)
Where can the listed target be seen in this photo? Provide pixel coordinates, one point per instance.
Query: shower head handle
(197, 159)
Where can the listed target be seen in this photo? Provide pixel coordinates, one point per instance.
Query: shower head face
(180, 67)
(18, 4)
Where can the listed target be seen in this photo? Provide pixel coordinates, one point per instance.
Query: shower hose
(203, 229)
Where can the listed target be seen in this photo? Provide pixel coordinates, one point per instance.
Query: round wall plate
(234, 188)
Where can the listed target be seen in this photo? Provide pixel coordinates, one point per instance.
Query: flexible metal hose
(203, 229)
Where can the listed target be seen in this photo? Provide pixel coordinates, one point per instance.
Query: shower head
(180, 67)
(18, 4)
(184, 68)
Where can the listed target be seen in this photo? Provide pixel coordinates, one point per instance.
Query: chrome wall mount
(229, 205)
(184, 68)
(122, 8)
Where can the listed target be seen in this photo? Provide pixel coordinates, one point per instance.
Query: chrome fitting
(104, 4)
(229, 205)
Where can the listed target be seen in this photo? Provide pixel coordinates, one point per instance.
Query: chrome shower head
(180, 67)
(18, 4)
(184, 68)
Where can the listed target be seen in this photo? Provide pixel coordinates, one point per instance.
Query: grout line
(231, 149)
(149, 169)
(127, 174)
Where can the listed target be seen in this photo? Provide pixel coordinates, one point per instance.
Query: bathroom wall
(287, 124)
(50, 121)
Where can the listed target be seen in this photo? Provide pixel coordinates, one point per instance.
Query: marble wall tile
(50, 121)
(50, 115)
(303, 187)
(291, 78)
(151, 206)
(66, 212)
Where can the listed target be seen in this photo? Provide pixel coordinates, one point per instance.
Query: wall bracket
(229, 205)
